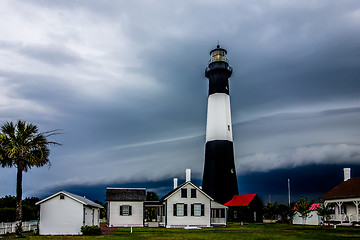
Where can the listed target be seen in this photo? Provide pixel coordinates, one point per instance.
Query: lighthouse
(219, 177)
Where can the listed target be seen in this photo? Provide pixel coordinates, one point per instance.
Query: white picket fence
(9, 227)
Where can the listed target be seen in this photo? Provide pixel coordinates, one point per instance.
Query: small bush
(91, 230)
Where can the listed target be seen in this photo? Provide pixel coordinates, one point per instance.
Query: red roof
(240, 200)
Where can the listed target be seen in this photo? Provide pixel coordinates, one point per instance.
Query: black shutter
(175, 212)
(130, 208)
(185, 209)
(121, 212)
(192, 209)
(202, 210)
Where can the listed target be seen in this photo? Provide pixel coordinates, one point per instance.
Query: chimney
(175, 183)
(347, 174)
(188, 175)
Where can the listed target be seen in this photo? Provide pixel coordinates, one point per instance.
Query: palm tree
(23, 147)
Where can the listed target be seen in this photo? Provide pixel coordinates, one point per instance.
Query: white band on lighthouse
(218, 125)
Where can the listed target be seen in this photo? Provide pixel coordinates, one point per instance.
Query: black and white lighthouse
(219, 179)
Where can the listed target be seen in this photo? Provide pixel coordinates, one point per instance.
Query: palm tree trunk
(19, 215)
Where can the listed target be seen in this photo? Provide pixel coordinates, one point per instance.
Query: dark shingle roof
(125, 194)
(347, 189)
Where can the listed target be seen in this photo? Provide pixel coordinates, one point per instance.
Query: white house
(125, 207)
(185, 206)
(64, 213)
(345, 198)
(189, 206)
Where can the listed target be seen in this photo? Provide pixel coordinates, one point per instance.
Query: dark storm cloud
(126, 85)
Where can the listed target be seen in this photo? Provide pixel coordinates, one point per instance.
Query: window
(184, 193)
(197, 209)
(62, 196)
(125, 210)
(218, 213)
(193, 193)
(180, 209)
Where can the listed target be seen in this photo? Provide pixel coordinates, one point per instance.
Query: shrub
(91, 230)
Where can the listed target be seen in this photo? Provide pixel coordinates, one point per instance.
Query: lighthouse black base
(219, 179)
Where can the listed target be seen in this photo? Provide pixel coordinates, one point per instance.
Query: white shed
(64, 213)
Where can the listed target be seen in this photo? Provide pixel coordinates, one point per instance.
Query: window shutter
(202, 210)
(192, 209)
(174, 213)
(130, 208)
(185, 209)
(121, 211)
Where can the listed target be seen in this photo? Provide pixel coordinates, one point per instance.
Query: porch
(346, 211)
(154, 215)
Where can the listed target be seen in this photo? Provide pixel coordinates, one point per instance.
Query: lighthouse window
(218, 55)
(229, 127)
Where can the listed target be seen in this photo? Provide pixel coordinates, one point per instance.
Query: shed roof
(125, 194)
(240, 200)
(347, 189)
(75, 197)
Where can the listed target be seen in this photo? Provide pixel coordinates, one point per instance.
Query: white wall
(60, 217)
(312, 219)
(173, 221)
(92, 216)
(116, 220)
(218, 118)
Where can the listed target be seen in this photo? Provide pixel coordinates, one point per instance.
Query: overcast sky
(124, 81)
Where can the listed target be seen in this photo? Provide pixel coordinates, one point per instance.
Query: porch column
(339, 212)
(357, 209)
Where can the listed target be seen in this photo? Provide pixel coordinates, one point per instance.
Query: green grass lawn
(234, 231)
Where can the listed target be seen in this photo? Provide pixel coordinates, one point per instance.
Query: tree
(303, 208)
(325, 211)
(23, 146)
(8, 209)
(151, 196)
(270, 210)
